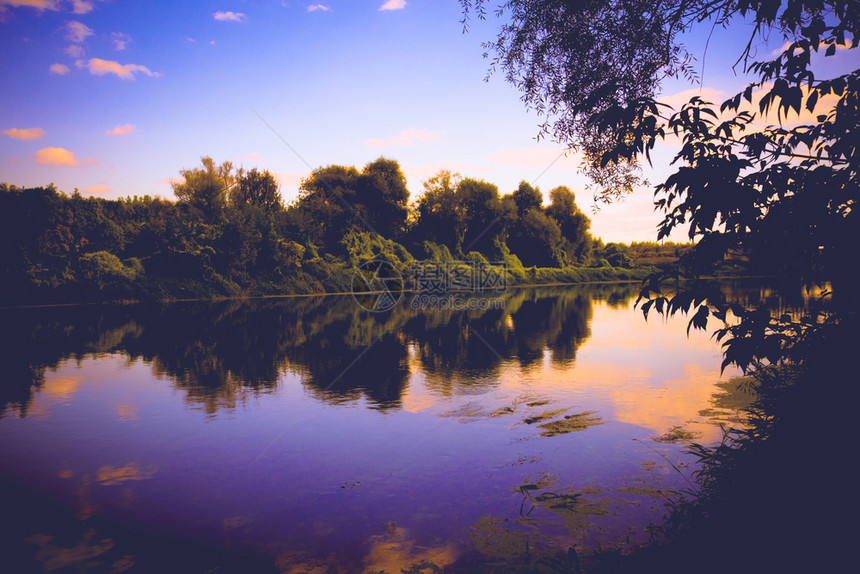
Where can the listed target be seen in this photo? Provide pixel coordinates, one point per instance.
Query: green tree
(617, 255)
(484, 217)
(328, 198)
(536, 240)
(105, 270)
(382, 196)
(439, 217)
(205, 189)
(256, 188)
(573, 224)
(527, 197)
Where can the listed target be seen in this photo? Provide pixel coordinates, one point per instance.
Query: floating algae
(546, 415)
(503, 540)
(677, 434)
(537, 482)
(468, 412)
(640, 487)
(571, 423)
(500, 412)
(538, 403)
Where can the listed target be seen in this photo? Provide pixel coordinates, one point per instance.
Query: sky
(113, 98)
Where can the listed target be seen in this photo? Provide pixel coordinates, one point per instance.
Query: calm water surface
(308, 435)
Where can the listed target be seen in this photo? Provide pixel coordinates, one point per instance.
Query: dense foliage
(770, 175)
(229, 233)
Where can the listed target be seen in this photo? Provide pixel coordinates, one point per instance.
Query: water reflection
(218, 353)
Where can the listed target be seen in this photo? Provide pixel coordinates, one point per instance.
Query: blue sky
(114, 98)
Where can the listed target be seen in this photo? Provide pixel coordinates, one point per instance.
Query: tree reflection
(219, 352)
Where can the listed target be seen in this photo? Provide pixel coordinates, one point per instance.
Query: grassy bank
(316, 275)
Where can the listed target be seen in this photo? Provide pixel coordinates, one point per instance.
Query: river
(307, 434)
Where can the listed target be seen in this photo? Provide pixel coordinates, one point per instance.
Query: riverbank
(338, 282)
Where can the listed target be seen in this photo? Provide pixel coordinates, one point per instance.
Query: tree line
(229, 232)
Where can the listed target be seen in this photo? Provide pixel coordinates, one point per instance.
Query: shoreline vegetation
(218, 299)
(229, 235)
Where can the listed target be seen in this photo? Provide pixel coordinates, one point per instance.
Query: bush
(437, 252)
(366, 246)
(476, 257)
(106, 271)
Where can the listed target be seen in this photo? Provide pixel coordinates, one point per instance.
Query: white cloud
(229, 16)
(393, 5)
(74, 51)
(99, 67)
(315, 7)
(406, 138)
(81, 7)
(56, 156)
(121, 130)
(77, 32)
(59, 69)
(26, 134)
(120, 40)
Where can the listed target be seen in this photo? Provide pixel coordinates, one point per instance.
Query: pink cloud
(120, 40)
(254, 156)
(406, 138)
(393, 5)
(229, 16)
(56, 156)
(37, 4)
(121, 130)
(74, 51)
(81, 7)
(99, 67)
(77, 32)
(25, 134)
(96, 189)
(59, 69)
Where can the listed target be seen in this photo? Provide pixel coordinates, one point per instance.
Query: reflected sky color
(461, 435)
